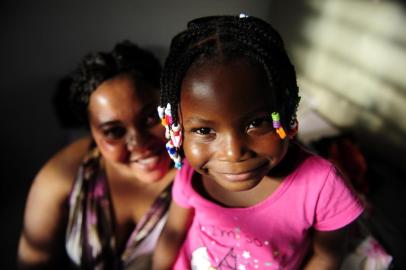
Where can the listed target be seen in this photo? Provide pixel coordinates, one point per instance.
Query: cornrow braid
(221, 38)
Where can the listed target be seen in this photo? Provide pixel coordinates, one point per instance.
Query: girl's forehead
(232, 86)
(241, 71)
(204, 63)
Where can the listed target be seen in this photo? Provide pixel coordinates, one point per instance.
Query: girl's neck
(241, 199)
(210, 190)
(293, 158)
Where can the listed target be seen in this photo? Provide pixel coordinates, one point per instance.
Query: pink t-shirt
(273, 234)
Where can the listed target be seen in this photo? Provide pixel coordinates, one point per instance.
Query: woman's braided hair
(223, 38)
(95, 68)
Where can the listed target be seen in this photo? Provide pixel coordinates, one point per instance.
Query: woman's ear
(293, 129)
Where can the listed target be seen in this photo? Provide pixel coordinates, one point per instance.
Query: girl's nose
(233, 148)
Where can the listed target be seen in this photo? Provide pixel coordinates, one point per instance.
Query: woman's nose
(135, 140)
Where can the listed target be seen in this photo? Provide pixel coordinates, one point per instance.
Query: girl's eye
(263, 124)
(114, 133)
(202, 131)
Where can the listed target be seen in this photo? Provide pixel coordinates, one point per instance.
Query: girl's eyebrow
(262, 111)
(197, 119)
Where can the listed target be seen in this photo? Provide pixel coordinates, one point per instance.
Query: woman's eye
(152, 120)
(114, 132)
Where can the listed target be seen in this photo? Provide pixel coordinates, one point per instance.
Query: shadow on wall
(351, 58)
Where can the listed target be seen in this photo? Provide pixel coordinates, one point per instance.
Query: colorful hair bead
(170, 148)
(167, 133)
(168, 119)
(276, 122)
(168, 114)
(173, 154)
(281, 132)
(176, 135)
(173, 133)
(178, 162)
(161, 111)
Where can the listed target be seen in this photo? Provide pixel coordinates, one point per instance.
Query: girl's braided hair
(95, 68)
(224, 38)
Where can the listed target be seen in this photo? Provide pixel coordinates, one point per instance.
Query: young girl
(247, 196)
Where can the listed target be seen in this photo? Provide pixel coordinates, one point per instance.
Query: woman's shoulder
(46, 210)
(60, 170)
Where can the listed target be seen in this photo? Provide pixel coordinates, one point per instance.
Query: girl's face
(225, 111)
(126, 128)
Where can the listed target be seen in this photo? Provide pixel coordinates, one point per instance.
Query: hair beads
(173, 133)
(276, 121)
(219, 39)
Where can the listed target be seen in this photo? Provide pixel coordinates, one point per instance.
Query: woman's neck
(118, 175)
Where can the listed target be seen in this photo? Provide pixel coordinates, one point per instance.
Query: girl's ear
(293, 129)
(180, 118)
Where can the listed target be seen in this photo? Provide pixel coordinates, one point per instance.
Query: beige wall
(351, 61)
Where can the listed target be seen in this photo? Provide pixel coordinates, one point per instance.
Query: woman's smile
(147, 162)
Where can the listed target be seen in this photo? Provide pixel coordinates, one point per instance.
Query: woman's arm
(328, 249)
(172, 236)
(41, 244)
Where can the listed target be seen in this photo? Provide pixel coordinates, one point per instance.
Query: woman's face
(126, 128)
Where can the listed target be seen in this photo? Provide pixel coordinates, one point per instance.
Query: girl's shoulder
(308, 160)
(314, 168)
(185, 174)
(182, 189)
(314, 162)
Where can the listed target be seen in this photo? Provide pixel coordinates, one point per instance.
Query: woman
(101, 202)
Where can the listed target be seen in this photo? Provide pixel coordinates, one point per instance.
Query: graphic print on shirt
(201, 260)
(231, 249)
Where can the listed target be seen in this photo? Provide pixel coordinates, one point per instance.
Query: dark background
(41, 41)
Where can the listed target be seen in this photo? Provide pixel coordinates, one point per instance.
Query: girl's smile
(241, 175)
(229, 140)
